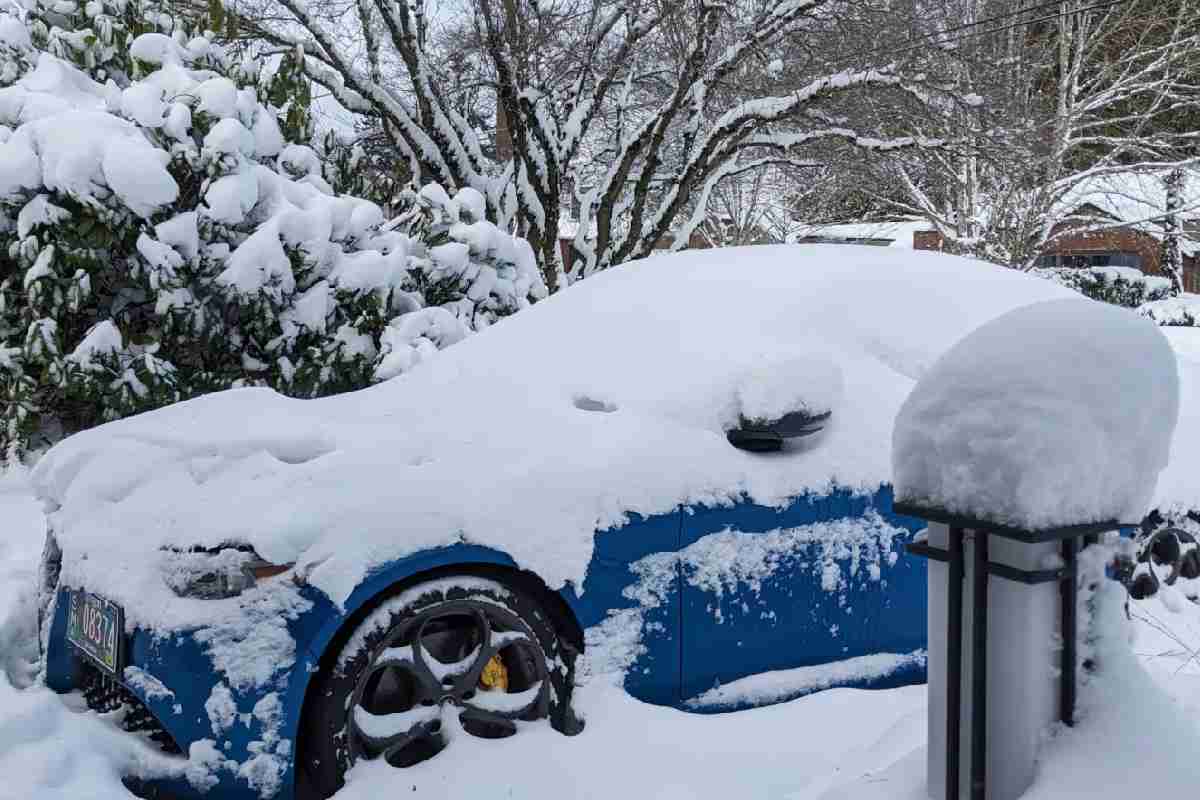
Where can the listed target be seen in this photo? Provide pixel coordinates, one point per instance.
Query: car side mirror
(768, 435)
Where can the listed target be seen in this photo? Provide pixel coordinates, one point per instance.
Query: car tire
(383, 697)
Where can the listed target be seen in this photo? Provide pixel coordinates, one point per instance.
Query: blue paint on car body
(783, 621)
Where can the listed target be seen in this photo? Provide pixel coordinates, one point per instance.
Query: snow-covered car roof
(609, 398)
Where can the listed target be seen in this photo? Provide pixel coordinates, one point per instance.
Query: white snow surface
(1058, 413)
(1178, 487)
(1183, 310)
(49, 748)
(782, 684)
(488, 443)
(811, 384)
(85, 154)
(1136, 732)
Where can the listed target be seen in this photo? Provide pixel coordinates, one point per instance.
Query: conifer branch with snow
(164, 239)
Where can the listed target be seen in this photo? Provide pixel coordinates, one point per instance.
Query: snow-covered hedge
(163, 240)
(1122, 286)
(1182, 311)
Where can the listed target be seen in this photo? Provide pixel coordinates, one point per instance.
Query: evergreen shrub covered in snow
(1122, 286)
(1182, 311)
(163, 239)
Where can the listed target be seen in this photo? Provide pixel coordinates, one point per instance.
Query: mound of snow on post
(1054, 414)
(490, 443)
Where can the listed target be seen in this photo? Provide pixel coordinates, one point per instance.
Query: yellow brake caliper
(495, 675)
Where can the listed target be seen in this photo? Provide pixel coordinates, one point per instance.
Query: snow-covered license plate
(95, 625)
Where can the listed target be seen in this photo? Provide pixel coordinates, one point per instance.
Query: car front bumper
(225, 743)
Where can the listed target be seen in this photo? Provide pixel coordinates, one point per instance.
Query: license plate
(96, 627)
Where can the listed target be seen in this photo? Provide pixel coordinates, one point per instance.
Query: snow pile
(1167, 640)
(808, 383)
(20, 548)
(1054, 414)
(1182, 311)
(1178, 490)
(1134, 735)
(488, 445)
(667, 754)
(48, 749)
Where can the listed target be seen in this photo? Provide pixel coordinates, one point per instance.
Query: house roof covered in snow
(890, 233)
(1138, 199)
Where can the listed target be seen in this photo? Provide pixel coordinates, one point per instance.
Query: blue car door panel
(629, 606)
(824, 579)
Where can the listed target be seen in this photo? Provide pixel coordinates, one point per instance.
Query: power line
(931, 36)
(989, 20)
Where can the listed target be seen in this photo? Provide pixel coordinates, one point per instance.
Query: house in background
(905, 232)
(1113, 221)
(1117, 221)
(712, 232)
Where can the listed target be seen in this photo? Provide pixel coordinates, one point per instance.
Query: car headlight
(216, 574)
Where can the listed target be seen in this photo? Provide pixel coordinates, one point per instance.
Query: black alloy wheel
(450, 657)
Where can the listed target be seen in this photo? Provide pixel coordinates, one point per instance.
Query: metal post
(1069, 625)
(954, 602)
(979, 632)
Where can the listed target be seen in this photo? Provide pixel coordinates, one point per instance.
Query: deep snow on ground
(49, 747)
(833, 745)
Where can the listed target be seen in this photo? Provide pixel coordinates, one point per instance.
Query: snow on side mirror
(783, 400)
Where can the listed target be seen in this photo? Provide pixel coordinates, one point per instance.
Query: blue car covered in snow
(674, 474)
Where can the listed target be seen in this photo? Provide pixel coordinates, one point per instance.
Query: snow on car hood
(609, 398)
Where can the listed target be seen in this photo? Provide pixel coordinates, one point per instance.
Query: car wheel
(448, 657)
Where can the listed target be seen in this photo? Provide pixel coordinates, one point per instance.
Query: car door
(822, 581)
(629, 606)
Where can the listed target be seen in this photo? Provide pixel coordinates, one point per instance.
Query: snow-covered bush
(1182, 311)
(163, 239)
(1122, 286)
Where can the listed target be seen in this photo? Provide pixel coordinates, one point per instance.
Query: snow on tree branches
(611, 120)
(163, 239)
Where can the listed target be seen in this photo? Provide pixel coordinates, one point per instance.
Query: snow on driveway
(834, 744)
(51, 748)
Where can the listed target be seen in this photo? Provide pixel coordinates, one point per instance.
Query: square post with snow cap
(1032, 436)
(988, 666)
